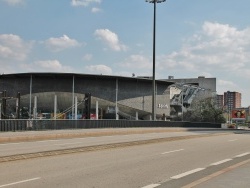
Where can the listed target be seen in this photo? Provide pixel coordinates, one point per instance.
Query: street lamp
(153, 94)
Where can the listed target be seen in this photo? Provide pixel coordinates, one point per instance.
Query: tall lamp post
(153, 94)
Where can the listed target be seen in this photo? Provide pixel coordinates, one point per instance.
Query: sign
(165, 106)
(238, 114)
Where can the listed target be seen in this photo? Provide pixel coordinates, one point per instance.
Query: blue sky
(114, 37)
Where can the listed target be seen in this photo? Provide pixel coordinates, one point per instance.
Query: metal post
(153, 95)
(154, 28)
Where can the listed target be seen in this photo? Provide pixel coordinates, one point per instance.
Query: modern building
(65, 93)
(185, 90)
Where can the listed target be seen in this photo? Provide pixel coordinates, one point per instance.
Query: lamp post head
(155, 1)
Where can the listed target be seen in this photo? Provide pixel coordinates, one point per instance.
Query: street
(163, 164)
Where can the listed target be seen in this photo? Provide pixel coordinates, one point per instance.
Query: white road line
(232, 140)
(18, 182)
(68, 143)
(152, 186)
(172, 151)
(49, 141)
(187, 173)
(9, 144)
(243, 154)
(220, 162)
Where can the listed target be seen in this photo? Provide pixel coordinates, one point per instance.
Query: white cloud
(61, 43)
(95, 10)
(227, 85)
(98, 69)
(216, 48)
(47, 66)
(87, 57)
(12, 47)
(84, 3)
(13, 2)
(111, 39)
(137, 62)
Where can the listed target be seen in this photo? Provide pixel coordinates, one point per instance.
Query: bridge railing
(26, 125)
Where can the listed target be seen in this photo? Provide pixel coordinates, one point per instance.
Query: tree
(204, 110)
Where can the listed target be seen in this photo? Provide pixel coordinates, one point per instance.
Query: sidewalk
(25, 136)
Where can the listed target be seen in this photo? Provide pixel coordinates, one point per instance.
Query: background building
(220, 101)
(232, 99)
(185, 90)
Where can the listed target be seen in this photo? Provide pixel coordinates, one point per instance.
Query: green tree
(204, 110)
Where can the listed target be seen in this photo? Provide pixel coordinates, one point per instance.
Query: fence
(25, 125)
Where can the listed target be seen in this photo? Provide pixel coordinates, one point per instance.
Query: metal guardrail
(25, 125)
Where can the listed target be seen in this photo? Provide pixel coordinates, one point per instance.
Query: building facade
(131, 97)
(232, 100)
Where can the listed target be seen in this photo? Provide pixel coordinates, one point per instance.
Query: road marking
(19, 182)
(220, 162)
(187, 173)
(243, 154)
(152, 186)
(172, 151)
(9, 144)
(68, 143)
(209, 177)
(232, 140)
(49, 141)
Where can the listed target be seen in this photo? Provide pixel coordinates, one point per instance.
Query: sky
(194, 38)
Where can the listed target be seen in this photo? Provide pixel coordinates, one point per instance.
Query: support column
(73, 96)
(0, 111)
(136, 115)
(76, 107)
(30, 96)
(116, 98)
(35, 107)
(55, 107)
(96, 110)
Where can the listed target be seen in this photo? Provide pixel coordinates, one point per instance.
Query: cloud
(61, 43)
(216, 48)
(111, 39)
(98, 69)
(87, 57)
(84, 3)
(137, 64)
(95, 10)
(140, 61)
(47, 66)
(12, 47)
(13, 2)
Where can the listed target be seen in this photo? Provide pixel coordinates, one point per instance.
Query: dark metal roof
(55, 74)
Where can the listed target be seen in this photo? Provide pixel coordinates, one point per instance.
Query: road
(163, 164)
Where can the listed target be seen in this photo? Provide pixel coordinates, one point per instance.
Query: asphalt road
(8, 149)
(164, 164)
